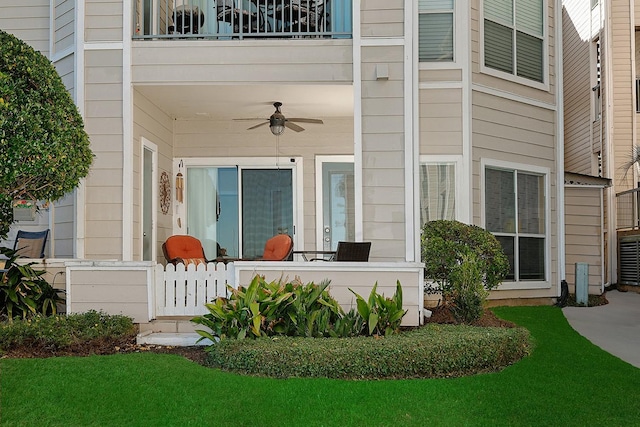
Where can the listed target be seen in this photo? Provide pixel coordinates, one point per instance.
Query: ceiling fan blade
(293, 126)
(258, 125)
(303, 120)
(251, 118)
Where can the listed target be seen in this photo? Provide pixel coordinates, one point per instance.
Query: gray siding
(383, 154)
(28, 22)
(153, 124)
(65, 68)
(63, 229)
(103, 121)
(440, 121)
(104, 20)
(382, 18)
(578, 117)
(64, 25)
(512, 131)
(584, 234)
(623, 111)
(274, 61)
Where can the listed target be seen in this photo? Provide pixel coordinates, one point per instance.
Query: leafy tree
(43, 146)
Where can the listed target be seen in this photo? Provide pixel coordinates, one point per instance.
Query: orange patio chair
(278, 248)
(183, 249)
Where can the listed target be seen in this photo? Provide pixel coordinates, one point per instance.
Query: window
(515, 213)
(435, 29)
(514, 37)
(437, 191)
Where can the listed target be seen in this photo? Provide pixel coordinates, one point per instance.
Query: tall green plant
(24, 292)
(271, 308)
(467, 294)
(381, 315)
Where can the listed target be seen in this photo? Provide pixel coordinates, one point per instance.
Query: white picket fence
(184, 292)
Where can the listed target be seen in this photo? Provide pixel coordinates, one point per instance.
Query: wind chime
(179, 190)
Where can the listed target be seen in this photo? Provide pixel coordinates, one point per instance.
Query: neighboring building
(601, 105)
(431, 109)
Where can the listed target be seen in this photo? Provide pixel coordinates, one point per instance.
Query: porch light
(276, 123)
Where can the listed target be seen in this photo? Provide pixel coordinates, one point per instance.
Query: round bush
(445, 245)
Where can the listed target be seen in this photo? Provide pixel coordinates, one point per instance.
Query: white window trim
(546, 173)
(288, 162)
(544, 85)
(427, 159)
(457, 40)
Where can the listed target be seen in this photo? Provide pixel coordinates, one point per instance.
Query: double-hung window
(515, 206)
(514, 37)
(436, 30)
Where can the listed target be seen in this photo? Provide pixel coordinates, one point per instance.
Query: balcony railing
(239, 19)
(628, 209)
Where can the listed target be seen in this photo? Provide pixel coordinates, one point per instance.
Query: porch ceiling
(225, 102)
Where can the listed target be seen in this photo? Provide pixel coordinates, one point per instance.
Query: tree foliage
(43, 146)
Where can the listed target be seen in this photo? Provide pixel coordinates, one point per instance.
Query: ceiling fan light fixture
(276, 124)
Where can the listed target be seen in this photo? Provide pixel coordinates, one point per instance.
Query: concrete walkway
(614, 327)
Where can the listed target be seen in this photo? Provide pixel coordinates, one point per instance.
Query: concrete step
(170, 325)
(174, 339)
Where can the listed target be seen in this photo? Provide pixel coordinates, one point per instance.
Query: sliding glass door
(234, 210)
(267, 207)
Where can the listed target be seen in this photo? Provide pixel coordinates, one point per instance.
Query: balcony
(242, 19)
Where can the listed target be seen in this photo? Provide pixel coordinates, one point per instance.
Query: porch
(162, 300)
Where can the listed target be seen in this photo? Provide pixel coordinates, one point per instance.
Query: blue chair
(31, 244)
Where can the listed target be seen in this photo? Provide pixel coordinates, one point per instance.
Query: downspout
(560, 145)
(127, 135)
(610, 171)
(357, 119)
(80, 192)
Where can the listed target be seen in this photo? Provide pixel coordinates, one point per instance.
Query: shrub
(445, 243)
(43, 146)
(276, 308)
(23, 290)
(62, 331)
(381, 315)
(296, 309)
(467, 294)
(434, 351)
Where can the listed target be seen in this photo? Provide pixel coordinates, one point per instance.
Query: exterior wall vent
(629, 259)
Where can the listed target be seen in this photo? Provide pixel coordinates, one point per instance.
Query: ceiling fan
(277, 121)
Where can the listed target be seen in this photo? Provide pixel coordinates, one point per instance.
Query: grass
(566, 381)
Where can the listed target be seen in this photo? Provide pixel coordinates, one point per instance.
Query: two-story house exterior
(601, 57)
(437, 109)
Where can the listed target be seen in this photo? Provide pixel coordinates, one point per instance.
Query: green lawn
(567, 381)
